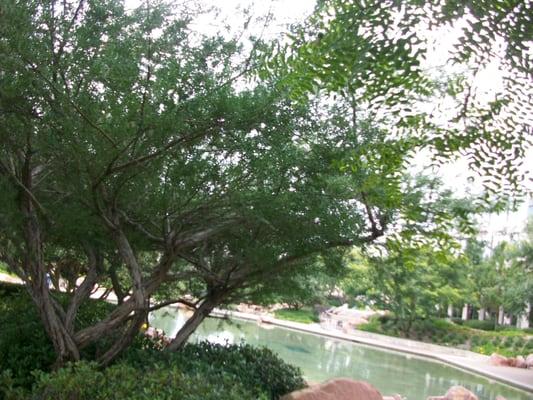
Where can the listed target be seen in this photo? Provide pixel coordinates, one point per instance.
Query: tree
(502, 278)
(512, 280)
(133, 125)
(418, 268)
(135, 155)
(412, 283)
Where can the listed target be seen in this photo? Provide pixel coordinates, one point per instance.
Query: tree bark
(194, 321)
(124, 340)
(117, 288)
(35, 269)
(82, 293)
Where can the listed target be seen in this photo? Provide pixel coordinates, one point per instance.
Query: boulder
(529, 361)
(498, 360)
(337, 389)
(456, 393)
(460, 393)
(520, 362)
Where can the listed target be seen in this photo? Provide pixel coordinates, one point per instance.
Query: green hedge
(478, 336)
(486, 325)
(84, 381)
(259, 370)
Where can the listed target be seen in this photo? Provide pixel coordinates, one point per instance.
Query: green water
(322, 358)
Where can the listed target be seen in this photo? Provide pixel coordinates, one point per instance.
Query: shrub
(461, 338)
(455, 339)
(259, 370)
(334, 301)
(485, 340)
(496, 340)
(24, 345)
(508, 341)
(519, 342)
(84, 381)
(486, 325)
(457, 320)
(373, 325)
(386, 318)
(476, 341)
(448, 338)
(442, 325)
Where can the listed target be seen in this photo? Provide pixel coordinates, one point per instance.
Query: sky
(454, 175)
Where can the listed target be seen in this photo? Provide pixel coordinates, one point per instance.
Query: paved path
(466, 360)
(10, 278)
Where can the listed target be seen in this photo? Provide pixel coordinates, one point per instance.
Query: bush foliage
(24, 345)
(84, 381)
(259, 370)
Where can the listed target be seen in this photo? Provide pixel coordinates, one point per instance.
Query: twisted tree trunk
(203, 311)
(51, 313)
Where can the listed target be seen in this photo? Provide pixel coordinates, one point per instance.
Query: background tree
(412, 282)
(417, 269)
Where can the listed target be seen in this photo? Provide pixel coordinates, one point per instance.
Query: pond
(322, 358)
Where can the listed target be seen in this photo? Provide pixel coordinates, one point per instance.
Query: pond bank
(462, 359)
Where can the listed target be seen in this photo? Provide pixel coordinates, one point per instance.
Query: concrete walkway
(10, 279)
(478, 363)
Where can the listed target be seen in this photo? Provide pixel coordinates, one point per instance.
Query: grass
(302, 315)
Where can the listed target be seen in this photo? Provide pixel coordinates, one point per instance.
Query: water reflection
(323, 358)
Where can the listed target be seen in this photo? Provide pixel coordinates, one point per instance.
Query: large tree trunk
(50, 312)
(194, 321)
(64, 345)
(125, 339)
(117, 288)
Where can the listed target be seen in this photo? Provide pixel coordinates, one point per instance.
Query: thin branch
(170, 302)
(36, 69)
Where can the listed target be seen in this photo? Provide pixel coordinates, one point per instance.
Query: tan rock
(529, 361)
(456, 393)
(520, 362)
(337, 389)
(500, 398)
(498, 360)
(459, 393)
